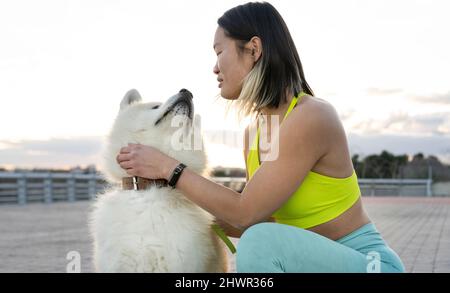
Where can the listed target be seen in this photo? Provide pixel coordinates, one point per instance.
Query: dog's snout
(186, 92)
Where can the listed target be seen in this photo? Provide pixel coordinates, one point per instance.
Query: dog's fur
(158, 229)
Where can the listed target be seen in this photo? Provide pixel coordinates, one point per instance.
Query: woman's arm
(233, 231)
(299, 148)
(218, 200)
(227, 228)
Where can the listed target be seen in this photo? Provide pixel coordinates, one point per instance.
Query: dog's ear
(131, 96)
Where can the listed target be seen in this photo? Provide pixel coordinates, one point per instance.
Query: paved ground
(37, 237)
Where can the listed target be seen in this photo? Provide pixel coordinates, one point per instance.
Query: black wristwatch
(176, 174)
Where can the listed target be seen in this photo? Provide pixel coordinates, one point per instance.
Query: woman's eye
(219, 53)
(155, 107)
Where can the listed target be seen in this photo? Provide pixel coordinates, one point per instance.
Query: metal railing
(48, 187)
(369, 187)
(399, 187)
(24, 187)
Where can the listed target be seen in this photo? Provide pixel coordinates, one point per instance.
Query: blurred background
(65, 66)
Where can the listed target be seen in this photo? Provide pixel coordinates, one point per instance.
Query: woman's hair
(279, 67)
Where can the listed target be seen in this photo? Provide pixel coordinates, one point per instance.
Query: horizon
(97, 167)
(90, 154)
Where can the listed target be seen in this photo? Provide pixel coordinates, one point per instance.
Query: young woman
(301, 209)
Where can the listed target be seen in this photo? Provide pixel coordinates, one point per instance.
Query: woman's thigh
(272, 247)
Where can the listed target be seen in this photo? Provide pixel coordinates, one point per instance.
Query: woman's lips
(220, 84)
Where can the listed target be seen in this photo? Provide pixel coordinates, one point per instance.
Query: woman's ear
(255, 45)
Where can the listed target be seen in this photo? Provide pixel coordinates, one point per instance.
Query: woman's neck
(281, 109)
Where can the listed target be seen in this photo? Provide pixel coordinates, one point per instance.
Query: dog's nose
(186, 92)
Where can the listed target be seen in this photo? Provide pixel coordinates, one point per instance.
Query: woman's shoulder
(315, 109)
(310, 111)
(314, 120)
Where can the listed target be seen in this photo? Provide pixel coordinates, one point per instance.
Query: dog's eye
(155, 107)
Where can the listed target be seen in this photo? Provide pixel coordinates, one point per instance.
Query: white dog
(156, 229)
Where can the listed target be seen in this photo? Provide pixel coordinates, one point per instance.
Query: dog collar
(141, 183)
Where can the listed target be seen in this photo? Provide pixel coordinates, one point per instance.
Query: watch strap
(176, 175)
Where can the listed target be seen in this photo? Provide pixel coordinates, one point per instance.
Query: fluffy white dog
(156, 229)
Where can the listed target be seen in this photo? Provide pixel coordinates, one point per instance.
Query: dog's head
(171, 127)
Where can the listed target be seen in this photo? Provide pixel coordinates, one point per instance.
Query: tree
(385, 165)
(418, 157)
(357, 165)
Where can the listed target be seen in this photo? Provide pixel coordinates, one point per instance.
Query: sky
(65, 66)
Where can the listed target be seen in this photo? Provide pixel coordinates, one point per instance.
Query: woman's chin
(227, 96)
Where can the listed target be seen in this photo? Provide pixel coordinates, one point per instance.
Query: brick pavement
(37, 237)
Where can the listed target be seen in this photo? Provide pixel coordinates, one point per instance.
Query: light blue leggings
(276, 248)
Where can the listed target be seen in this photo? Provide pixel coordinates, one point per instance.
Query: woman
(301, 209)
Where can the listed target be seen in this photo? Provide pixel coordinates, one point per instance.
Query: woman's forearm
(233, 231)
(228, 229)
(222, 202)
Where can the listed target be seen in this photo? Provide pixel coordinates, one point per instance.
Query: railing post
(22, 189)
(92, 189)
(71, 188)
(429, 190)
(48, 188)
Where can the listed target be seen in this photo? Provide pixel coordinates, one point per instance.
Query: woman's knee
(256, 235)
(254, 246)
(394, 265)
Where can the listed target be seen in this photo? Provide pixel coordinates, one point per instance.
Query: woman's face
(231, 68)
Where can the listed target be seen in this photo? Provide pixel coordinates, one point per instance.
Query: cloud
(400, 144)
(56, 152)
(78, 146)
(383, 91)
(401, 122)
(347, 114)
(443, 99)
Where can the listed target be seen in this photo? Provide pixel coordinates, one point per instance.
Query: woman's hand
(146, 161)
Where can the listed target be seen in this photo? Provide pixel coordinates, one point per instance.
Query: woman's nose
(216, 69)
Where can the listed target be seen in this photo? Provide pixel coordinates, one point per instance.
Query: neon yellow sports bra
(319, 198)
